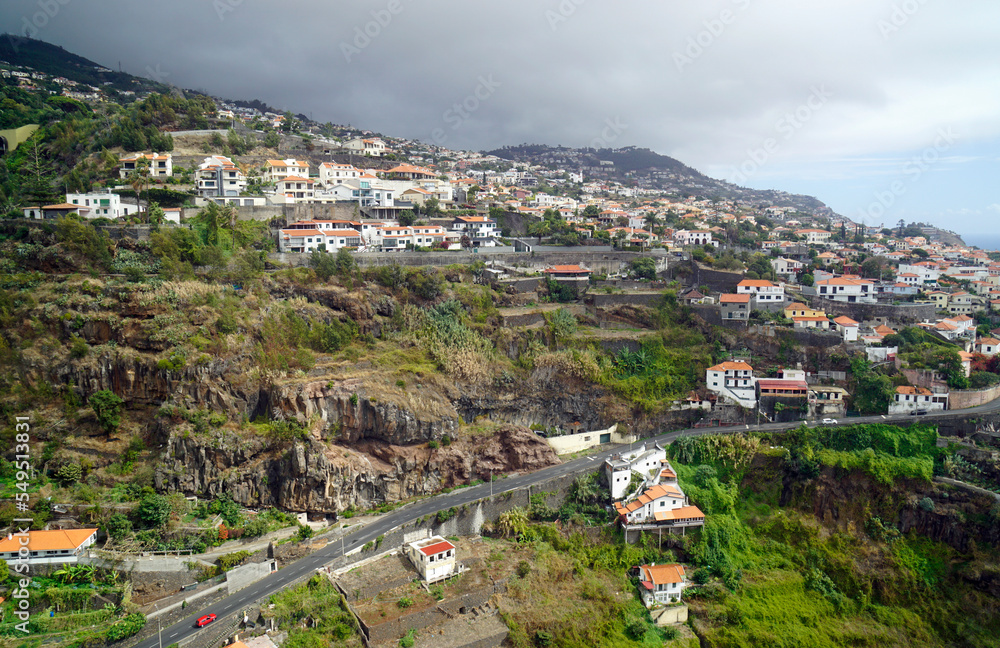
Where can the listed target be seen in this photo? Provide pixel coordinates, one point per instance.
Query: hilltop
(646, 169)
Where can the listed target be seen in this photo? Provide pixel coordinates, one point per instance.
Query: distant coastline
(983, 240)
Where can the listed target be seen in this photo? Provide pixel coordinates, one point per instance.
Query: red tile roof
(436, 548)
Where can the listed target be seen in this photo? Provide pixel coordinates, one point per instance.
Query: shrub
(405, 602)
(433, 445)
(129, 625)
(79, 348)
(446, 440)
(927, 504)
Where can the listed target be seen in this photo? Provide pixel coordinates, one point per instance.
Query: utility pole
(159, 627)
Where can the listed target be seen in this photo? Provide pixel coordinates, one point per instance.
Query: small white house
(988, 346)
(47, 547)
(909, 400)
(733, 380)
(661, 584)
(159, 165)
(433, 557)
(643, 461)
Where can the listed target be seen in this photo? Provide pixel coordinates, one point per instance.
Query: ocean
(984, 240)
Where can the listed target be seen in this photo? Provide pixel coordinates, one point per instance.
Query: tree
(36, 177)
(345, 263)
(643, 268)
(873, 391)
(153, 510)
(107, 408)
(323, 263)
(432, 207)
(407, 218)
(118, 526)
(272, 140)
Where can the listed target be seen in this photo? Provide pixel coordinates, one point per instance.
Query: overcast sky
(884, 109)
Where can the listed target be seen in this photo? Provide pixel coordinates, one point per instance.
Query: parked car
(829, 421)
(205, 620)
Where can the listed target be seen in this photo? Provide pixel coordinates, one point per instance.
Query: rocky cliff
(319, 475)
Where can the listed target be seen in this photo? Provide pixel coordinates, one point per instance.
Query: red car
(205, 620)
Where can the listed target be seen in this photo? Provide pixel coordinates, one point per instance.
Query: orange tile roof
(683, 513)
(804, 318)
(884, 330)
(301, 232)
(563, 269)
(919, 391)
(844, 320)
(992, 341)
(294, 179)
(731, 366)
(755, 283)
(63, 206)
(54, 540)
(734, 299)
(664, 574)
(436, 548)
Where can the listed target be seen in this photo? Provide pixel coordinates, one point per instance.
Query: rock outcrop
(317, 476)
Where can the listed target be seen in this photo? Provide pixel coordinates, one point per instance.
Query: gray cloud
(703, 81)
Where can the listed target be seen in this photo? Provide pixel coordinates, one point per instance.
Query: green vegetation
(314, 614)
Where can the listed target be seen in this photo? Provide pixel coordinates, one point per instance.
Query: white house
(374, 147)
(308, 240)
(481, 229)
(762, 291)
(658, 499)
(909, 400)
(295, 187)
(786, 267)
(101, 204)
(733, 380)
(643, 461)
(814, 236)
(847, 289)
(661, 584)
(47, 547)
(333, 173)
(694, 237)
(219, 176)
(160, 165)
(847, 327)
(433, 557)
(988, 346)
(275, 170)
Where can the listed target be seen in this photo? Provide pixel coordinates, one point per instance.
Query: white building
(734, 381)
(694, 237)
(47, 547)
(814, 236)
(642, 461)
(308, 240)
(333, 173)
(219, 176)
(275, 170)
(762, 291)
(786, 268)
(374, 147)
(101, 204)
(988, 346)
(434, 558)
(480, 229)
(661, 584)
(847, 289)
(295, 188)
(909, 400)
(160, 165)
(848, 328)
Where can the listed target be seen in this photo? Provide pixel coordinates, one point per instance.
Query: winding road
(244, 598)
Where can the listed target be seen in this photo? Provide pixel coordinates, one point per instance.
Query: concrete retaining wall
(903, 313)
(972, 397)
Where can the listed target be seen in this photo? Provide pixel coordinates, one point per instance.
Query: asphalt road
(244, 598)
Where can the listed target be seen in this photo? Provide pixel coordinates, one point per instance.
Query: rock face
(317, 476)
